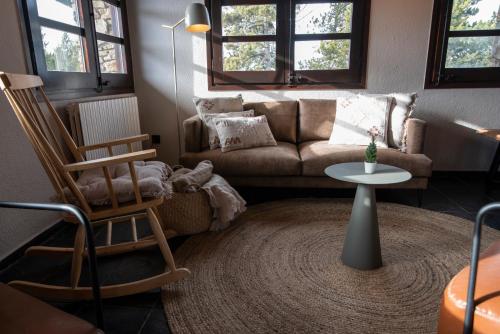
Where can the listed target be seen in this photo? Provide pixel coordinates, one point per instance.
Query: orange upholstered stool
(23, 314)
(487, 297)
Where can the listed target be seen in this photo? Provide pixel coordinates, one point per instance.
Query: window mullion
(250, 38)
(92, 42)
(320, 1)
(444, 45)
(248, 2)
(473, 33)
(290, 40)
(116, 3)
(109, 38)
(329, 36)
(61, 26)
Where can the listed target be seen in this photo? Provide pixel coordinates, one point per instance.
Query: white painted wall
(22, 178)
(399, 38)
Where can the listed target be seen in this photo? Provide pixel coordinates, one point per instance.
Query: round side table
(362, 242)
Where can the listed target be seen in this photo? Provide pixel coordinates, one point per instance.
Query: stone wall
(109, 53)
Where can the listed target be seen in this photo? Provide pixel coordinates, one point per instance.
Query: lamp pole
(197, 20)
(174, 62)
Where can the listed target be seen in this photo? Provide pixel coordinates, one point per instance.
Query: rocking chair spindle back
(51, 140)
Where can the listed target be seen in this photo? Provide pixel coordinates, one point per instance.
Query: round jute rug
(278, 270)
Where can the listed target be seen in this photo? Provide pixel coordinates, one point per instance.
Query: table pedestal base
(362, 242)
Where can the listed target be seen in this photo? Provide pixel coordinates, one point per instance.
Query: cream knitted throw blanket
(226, 202)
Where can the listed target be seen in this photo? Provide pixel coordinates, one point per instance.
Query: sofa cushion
(316, 119)
(317, 155)
(281, 116)
(280, 160)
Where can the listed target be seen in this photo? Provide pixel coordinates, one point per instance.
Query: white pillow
(213, 138)
(356, 115)
(218, 105)
(243, 132)
(402, 107)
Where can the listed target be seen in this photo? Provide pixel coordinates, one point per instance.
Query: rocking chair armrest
(111, 143)
(110, 161)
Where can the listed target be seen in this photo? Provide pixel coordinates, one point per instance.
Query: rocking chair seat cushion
(152, 179)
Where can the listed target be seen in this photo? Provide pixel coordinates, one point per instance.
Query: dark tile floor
(457, 194)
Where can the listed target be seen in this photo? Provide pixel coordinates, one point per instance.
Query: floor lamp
(196, 19)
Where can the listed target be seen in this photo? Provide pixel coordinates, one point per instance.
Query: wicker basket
(187, 213)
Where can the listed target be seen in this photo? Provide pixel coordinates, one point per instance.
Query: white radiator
(100, 121)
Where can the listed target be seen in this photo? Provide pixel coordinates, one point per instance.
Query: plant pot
(370, 167)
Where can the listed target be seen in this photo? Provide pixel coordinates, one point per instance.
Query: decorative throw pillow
(213, 138)
(356, 115)
(243, 132)
(217, 105)
(402, 107)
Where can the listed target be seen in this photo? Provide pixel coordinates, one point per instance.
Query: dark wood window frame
(285, 76)
(437, 76)
(70, 85)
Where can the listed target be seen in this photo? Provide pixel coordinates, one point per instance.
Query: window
(464, 47)
(265, 44)
(78, 46)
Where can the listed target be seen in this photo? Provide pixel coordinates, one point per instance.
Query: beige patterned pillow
(403, 106)
(218, 105)
(244, 132)
(213, 138)
(356, 115)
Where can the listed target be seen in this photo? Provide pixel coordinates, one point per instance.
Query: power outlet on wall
(155, 139)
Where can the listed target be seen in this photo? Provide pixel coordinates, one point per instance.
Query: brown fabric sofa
(302, 129)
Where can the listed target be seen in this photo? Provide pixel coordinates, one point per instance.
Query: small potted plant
(371, 152)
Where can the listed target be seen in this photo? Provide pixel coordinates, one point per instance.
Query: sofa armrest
(415, 136)
(192, 134)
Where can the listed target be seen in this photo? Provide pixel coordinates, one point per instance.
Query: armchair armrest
(415, 136)
(192, 134)
(110, 161)
(116, 142)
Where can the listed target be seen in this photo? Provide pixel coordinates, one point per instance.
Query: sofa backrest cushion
(316, 119)
(281, 116)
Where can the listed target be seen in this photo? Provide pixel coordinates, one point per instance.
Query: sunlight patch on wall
(467, 125)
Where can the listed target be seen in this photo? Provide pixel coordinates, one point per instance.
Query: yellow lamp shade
(198, 28)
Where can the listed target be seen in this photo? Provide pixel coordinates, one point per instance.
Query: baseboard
(37, 240)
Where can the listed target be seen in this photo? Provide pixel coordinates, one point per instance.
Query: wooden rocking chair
(45, 131)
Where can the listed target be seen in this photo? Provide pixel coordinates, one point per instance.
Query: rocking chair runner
(43, 130)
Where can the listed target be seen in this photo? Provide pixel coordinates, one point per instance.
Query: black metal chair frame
(82, 219)
(476, 248)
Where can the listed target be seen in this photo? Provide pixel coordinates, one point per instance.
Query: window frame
(250, 77)
(66, 85)
(285, 77)
(437, 75)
